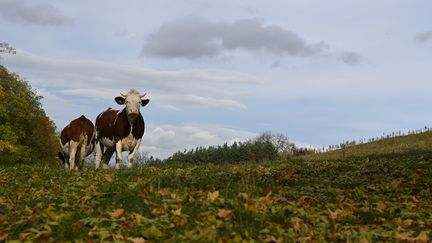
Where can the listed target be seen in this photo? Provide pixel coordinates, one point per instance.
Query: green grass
(377, 192)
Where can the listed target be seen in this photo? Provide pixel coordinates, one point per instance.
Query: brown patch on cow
(73, 131)
(114, 125)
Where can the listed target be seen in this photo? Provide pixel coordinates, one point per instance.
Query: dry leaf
(117, 213)
(164, 192)
(176, 212)
(243, 196)
(136, 240)
(108, 178)
(224, 214)
(212, 196)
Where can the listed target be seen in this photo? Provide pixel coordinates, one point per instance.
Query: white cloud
(21, 11)
(162, 140)
(211, 38)
(95, 79)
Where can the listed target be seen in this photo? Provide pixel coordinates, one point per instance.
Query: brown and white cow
(120, 130)
(77, 137)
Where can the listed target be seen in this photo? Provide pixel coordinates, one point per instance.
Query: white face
(133, 103)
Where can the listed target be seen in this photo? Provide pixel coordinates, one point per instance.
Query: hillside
(378, 192)
(409, 144)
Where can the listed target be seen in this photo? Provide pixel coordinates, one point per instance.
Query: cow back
(76, 128)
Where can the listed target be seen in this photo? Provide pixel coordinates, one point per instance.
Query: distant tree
(27, 135)
(281, 142)
(141, 157)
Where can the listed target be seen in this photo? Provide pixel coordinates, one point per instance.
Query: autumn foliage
(27, 135)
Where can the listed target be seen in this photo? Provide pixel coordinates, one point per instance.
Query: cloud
(162, 140)
(351, 58)
(20, 11)
(196, 37)
(100, 80)
(424, 37)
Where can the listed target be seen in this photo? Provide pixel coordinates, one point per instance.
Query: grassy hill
(372, 192)
(410, 144)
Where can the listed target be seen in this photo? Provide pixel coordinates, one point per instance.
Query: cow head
(133, 100)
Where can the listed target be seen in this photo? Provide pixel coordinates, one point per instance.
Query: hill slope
(376, 192)
(410, 144)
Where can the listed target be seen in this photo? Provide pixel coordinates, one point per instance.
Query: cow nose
(134, 111)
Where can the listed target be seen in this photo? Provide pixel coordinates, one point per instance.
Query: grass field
(372, 192)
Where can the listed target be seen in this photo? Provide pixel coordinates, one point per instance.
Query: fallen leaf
(136, 240)
(422, 237)
(85, 198)
(243, 195)
(224, 214)
(334, 215)
(212, 196)
(116, 213)
(3, 236)
(164, 192)
(176, 212)
(108, 178)
(250, 207)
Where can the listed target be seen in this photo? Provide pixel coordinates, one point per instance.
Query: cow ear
(144, 102)
(120, 100)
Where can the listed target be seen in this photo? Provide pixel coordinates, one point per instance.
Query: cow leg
(66, 162)
(106, 158)
(119, 156)
(132, 154)
(98, 156)
(82, 155)
(72, 153)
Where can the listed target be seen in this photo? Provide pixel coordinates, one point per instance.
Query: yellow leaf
(136, 240)
(334, 215)
(176, 212)
(224, 214)
(422, 237)
(117, 213)
(138, 218)
(108, 178)
(212, 196)
(267, 199)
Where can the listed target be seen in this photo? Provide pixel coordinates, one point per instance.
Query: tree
(281, 143)
(27, 135)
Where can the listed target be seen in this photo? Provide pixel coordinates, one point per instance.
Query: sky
(320, 72)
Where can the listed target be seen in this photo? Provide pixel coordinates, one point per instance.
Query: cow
(120, 130)
(76, 137)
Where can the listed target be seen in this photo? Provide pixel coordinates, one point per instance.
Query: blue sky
(319, 72)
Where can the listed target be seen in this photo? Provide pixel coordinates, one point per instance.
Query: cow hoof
(105, 166)
(117, 166)
(129, 165)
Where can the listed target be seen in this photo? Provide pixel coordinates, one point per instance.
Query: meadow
(379, 191)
